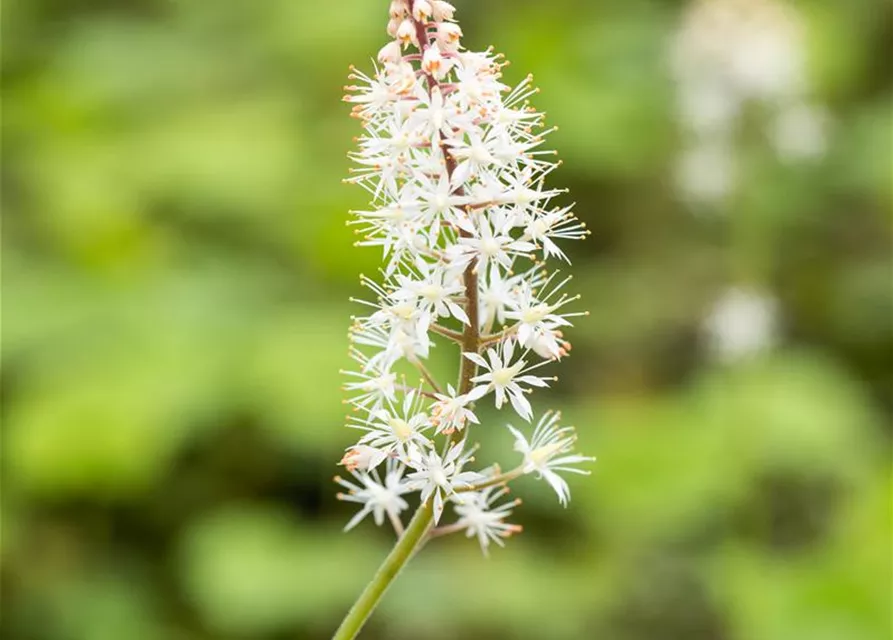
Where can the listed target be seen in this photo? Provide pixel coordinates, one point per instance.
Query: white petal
(357, 518)
(521, 405)
(438, 506)
(477, 359)
(477, 393)
(559, 485)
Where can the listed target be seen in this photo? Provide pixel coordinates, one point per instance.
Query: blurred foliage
(176, 270)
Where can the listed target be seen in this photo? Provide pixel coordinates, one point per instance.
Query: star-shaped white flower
(549, 451)
(505, 377)
(440, 476)
(481, 518)
(451, 411)
(395, 432)
(378, 497)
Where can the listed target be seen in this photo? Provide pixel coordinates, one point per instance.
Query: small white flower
(451, 411)
(505, 377)
(498, 293)
(395, 432)
(492, 244)
(549, 451)
(481, 518)
(433, 293)
(538, 323)
(362, 457)
(373, 384)
(440, 476)
(378, 497)
(559, 223)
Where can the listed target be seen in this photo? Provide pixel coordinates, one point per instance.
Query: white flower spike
(454, 162)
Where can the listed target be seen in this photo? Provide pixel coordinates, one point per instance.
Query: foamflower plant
(453, 163)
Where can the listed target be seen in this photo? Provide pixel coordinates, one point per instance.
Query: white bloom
(451, 411)
(395, 432)
(538, 324)
(373, 384)
(434, 292)
(378, 497)
(440, 476)
(505, 377)
(448, 35)
(481, 518)
(362, 457)
(492, 243)
(549, 451)
(498, 293)
(558, 223)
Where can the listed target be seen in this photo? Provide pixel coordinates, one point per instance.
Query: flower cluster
(452, 161)
(729, 54)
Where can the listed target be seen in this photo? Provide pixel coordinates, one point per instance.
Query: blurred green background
(176, 268)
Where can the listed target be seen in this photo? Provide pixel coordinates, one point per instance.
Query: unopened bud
(448, 34)
(397, 9)
(390, 52)
(442, 10)
(406, 33)
(421, 10)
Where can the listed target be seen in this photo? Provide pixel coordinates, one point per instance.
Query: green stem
(396, 560)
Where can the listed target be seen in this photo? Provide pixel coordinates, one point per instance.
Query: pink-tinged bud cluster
(453, 163)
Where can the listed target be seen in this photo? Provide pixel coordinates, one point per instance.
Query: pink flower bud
(448, 34)
(406, 33)
(421, 10)
(390, 52)
(397, 10)
(442, 10)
